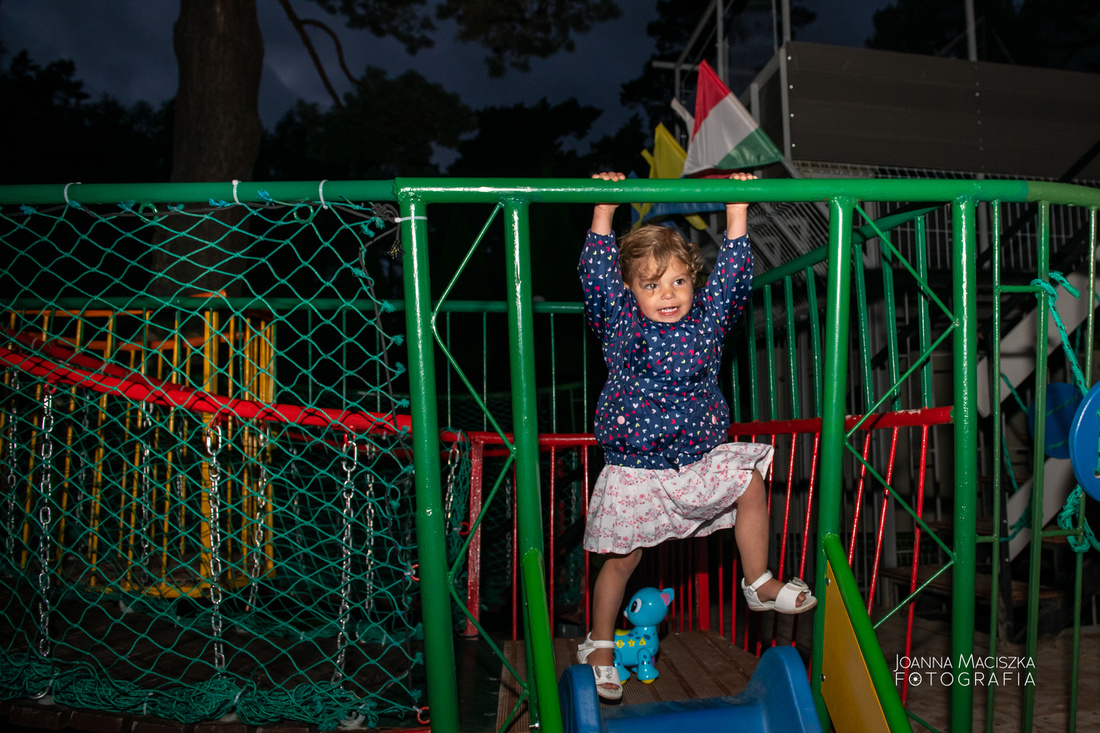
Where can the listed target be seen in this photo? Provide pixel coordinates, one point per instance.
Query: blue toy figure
(637, 647)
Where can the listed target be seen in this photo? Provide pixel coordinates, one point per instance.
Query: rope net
(208, 497)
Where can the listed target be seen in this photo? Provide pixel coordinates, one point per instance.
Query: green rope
(1067, 516)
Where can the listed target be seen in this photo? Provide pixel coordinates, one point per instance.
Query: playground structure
(225, 476)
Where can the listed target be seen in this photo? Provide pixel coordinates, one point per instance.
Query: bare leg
(607, 599)
(751, 533)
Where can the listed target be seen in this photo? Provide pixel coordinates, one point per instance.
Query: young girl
(662, 420)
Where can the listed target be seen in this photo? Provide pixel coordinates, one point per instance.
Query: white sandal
(785, 602)
(604, 675)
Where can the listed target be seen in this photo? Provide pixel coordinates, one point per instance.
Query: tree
(54, 132)
(218, 44)
(219, 50)
(368, 135)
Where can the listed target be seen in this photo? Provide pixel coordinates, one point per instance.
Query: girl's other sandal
(785, 602)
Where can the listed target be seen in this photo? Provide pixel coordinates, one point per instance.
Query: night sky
(124, 48)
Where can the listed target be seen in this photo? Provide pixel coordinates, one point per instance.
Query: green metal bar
(571, 190)
(1037, 488)
(815, 337)
(965, 289)
(792, 348)
(528, 495)
(754, 391)
(1078, 571)
(557, 190)
(994, 373)
(889, 302)
(859, 284)
(769, 356)
(866, 380)
(859, 236)
(196, 304)
(431, 537)
(924, 320)
(832, 419)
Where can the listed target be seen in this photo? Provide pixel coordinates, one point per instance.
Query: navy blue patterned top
(661, 406)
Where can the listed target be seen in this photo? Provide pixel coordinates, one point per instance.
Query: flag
(725, 137)
(667, 161)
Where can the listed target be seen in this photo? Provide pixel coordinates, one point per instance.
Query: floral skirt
(642, 507)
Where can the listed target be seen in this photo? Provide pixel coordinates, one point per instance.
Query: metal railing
(814, 365)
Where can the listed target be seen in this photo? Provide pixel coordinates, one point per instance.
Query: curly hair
(662, 244)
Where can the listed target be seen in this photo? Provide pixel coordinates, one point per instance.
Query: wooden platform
(691, 664)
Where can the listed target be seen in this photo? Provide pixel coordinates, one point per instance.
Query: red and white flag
(726, 137)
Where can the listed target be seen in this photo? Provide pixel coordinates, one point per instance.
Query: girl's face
(665, 298)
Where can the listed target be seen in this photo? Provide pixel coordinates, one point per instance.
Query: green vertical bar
(859, 283)
(924, 319)
(995, 402)
(792, 347)
(1090, 331)
(965, 342)
(754, 385)
(837, 297)
(431, 535)
(769, 355)
(815, 338)
(1042, 305)
(521, 341)
(890, 302)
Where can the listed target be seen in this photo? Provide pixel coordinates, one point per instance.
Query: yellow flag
(666, 161)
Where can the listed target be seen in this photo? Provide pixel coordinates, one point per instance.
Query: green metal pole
(431, 538)
(837, 302)
(997, 550)
(965, 345)
(1078, 569)
(1037, 485)
(521, 341)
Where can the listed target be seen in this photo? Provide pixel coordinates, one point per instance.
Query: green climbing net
(207, 502)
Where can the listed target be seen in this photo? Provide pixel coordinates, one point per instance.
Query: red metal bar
(473, 559)
(919, 509)
(553, 525)
(587, 566)
(107, 378)
(882, 520)
(702, 583)
(859, 498)
(694, 592)
(721, 593)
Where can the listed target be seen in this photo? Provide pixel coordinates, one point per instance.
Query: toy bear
(637, 647)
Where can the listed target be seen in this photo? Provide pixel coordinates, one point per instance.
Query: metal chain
(258, 526)
(144, 424)
(449, 499)
(345, 564)
(9, 541)
(368, 543)
(82, 478)
(213, 448)
(45, 520)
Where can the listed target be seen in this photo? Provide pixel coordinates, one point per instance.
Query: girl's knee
(627, 563)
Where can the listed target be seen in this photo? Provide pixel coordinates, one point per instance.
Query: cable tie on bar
(65, 193)
(408, 218)
(321, 193)
(235, 199)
